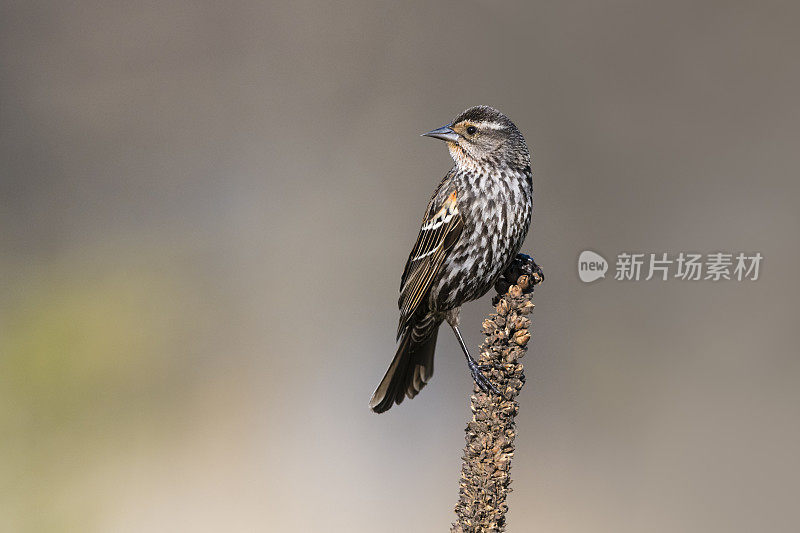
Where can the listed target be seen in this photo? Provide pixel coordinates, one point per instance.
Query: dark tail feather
(410, 370)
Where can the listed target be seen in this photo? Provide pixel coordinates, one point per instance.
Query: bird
(472, 229)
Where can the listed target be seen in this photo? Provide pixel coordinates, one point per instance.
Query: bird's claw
(523, 264)
(528, 266)
(481, 380)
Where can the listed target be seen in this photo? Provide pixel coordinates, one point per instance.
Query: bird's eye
(471, 130)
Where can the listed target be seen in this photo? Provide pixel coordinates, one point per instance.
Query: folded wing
(441, 229)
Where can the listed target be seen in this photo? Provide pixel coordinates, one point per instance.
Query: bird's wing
(441, 229)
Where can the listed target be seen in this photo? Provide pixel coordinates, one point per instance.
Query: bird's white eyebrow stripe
(493, 125)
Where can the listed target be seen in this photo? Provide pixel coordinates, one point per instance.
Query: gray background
(206, 208)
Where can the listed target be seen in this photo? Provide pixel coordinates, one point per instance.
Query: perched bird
(473, 228)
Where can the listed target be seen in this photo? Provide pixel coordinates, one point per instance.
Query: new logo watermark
(591, 266)
(684, 266)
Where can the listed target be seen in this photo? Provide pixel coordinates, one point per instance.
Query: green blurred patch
(83, 351)
(67, 345)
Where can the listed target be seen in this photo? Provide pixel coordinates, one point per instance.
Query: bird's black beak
(444, 133)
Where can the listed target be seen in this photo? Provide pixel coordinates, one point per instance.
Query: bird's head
(482, 136)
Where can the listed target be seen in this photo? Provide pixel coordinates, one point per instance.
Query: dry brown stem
(485, 473)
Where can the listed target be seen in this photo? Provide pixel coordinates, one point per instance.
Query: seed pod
(522, 337)
(502, 307)
(522, 323)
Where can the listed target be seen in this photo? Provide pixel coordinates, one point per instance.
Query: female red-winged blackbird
(473, 228)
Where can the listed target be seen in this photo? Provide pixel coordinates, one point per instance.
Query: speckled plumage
(496, 206)
(475, 224)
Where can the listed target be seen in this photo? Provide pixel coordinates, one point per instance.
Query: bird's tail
(410, 370)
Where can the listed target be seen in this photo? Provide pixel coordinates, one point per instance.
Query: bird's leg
(475, 369)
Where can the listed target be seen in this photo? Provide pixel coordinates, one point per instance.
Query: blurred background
(206, 208)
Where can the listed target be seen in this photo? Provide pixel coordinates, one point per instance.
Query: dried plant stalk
(485, 473)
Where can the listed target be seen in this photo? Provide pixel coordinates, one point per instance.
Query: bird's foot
(527, 266)
(522, 265)
(481, 380)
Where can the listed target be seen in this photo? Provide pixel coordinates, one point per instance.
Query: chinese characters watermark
(685, 266)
